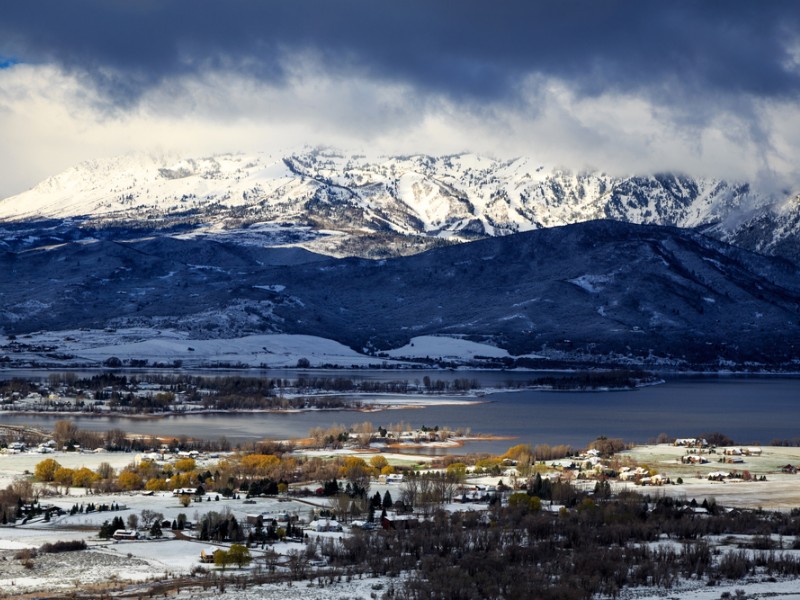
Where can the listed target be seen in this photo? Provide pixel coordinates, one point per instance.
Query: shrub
(25, 554)
(61, 546)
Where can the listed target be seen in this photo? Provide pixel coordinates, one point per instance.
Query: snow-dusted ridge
(424, 198)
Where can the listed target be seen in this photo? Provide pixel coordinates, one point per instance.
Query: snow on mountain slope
(123, 186)
(396, 205)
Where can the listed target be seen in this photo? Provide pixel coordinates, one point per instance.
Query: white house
(324, 525)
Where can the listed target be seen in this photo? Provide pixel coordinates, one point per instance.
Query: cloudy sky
(711, 88)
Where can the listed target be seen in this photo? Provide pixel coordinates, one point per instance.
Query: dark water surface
(747, 409)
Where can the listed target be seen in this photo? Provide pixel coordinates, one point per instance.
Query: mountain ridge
(344, 205)
(588, 293)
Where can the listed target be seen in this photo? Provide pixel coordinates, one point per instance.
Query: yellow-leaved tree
(63, 476)
(128, 480)
(378, 462)
(259, 464)
(185, 465)
(46, 469)
(84, 477)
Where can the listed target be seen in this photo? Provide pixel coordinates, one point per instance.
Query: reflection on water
(748, 410)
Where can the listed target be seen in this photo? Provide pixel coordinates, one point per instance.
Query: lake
(747, 409)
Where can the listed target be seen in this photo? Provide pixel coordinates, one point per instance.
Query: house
(395, 521)
(718, 476)
(394, 478)
(467, 496)
(628, 474)
(207, 555)
(789, 469)
(694, 459)
(125, 534)
(268, 517)
(692, 442)
(324, 525)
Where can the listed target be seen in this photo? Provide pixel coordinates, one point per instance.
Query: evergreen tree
(106, 530)
(234, 533)
(387, 500)
(155, 530)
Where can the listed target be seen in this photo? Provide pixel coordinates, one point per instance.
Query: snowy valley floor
(133, 569)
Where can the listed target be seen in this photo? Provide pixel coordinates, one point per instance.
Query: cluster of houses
(60, 400)
(165, 455)
(730, 455)
(692, 442)
(35, 401)
(734, 451)
(47, 447)
(482, 494)
(642, 476)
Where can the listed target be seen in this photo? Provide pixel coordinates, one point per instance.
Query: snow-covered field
(109, 565)
(94, 347)
(114, 562)
(781, 491)
(357, 589)
(445, 347)
(17, 465)
(166, 346)
(376, 587)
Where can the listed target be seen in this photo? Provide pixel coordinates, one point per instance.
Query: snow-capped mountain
(351, 205)
(572, 266)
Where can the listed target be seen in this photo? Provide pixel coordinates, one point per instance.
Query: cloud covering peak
(620, 84)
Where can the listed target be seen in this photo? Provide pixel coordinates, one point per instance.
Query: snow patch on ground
(368, 587)
(271, 288)
(435, 346)
(168, 346)
(591, 283)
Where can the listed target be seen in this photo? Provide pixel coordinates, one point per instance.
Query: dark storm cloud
(466, 50)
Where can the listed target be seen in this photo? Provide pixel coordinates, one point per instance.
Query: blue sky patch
(7, 62)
